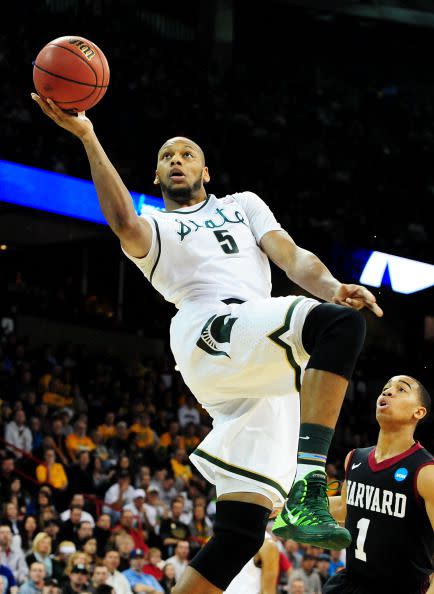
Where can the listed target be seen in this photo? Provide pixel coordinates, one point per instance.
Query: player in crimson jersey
(387, 501)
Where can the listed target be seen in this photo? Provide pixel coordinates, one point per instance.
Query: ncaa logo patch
(401, 474)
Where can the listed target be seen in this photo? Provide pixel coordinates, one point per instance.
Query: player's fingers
(376, 309)
(354, 303)
(59, 112)
(44, 106)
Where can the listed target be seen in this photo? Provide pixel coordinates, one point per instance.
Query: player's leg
(333, 336)
(239, 529)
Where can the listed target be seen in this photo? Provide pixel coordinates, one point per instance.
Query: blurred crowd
(96, 488)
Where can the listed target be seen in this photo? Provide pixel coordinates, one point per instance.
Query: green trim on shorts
(241, 471)
(275, 337)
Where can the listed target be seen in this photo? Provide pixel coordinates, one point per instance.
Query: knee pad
(333, 335)
(239, 532)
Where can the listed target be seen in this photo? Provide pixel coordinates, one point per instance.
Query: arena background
(325, 109)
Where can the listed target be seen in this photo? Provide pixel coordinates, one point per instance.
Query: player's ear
(420, 413)
(205, 175)
(156, 180)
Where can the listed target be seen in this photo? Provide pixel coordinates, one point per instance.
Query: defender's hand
(357, 297)
(79, 124)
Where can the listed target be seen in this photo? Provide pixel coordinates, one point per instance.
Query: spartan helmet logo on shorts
(215, 333)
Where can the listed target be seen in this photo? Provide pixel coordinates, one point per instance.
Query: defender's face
(180, 166)
(399, 401)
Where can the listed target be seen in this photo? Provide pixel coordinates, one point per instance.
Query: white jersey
(210, 251)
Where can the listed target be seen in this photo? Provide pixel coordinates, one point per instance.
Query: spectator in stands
(100, 575)
(293, 553)
(78, 440)
(124, 544)
(191, 440)
(126, 526)
(18, 436)
(108, 428)
(77, 500)
(59, 443)
(69, 528)
(144, 437)
(100, 476)
(336, 562)
(119, 494)
(180, 467)
(52, 528)
(35, 583)
(137, 578)
(37, 434)
(17, 494)
(297, 586)
(137, 508)
(154, 507)
(79, 472)
(78, 579)
(120, 442)
(65, 550)
(154, 564)
(307, 574)
(168, 490)
(180, 558)
(171, 440)
(28, 531)
(200, 528)
(102, 533)
(172, 530)
(188, 412)
(7, 476)
(52, 472)
(84, 532)
(168, 580)
(116, 579)
(323, 567)
(90, 548)
(10, 517)
(41, 553)
(12, 558)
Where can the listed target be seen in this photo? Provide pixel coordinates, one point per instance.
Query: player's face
(181, 170)
(399, 401)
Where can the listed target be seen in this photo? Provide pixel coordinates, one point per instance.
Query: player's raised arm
(338, 503)
(307, 270)
(114, 198)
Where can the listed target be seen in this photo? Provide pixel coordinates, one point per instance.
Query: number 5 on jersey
(227, 242)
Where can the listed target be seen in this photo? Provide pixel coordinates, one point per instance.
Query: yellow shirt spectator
(52, 472)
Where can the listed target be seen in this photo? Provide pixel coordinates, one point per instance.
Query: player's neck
(393, 441)
(195, 198)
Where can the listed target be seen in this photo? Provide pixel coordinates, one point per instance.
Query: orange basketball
(73, 72)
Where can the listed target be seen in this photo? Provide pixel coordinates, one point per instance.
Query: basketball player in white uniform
(245, 356)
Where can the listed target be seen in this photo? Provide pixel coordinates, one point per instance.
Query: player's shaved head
(188, 143)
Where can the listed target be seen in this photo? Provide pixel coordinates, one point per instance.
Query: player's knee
(239, 532)
(333, 335)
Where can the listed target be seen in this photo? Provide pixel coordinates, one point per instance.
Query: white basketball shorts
(245, 363)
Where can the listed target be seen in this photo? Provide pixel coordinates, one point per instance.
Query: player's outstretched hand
(358, 297)
(79, 124)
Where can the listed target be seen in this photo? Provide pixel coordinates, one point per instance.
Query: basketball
(73, 72)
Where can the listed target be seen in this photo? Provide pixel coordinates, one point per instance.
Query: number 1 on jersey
(362, 525)
(227, 242)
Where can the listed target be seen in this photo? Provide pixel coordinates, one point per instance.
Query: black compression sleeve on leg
(333, 335)
(239, 531)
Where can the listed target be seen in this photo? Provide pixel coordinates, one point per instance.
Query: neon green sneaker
(305, 517)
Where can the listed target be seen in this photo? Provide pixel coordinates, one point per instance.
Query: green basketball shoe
(305, 517)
